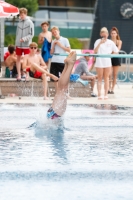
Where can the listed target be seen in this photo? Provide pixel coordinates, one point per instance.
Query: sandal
(2, 97)
(111, 92)
(93, 95)
(18, 79)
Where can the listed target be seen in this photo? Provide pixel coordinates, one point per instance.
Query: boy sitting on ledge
(36, 67)
(10, 62)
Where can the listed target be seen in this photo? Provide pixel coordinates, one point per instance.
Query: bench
(34, 87)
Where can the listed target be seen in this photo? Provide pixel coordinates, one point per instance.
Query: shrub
(74, 42)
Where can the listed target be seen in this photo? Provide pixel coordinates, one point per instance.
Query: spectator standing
(24, 35)
(82, 70)
(114, 33)
(60, 45)
(45, 38)
(103, 65)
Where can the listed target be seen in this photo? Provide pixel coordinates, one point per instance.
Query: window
(80, 19)
(41, 2)
(57, 3)
(58, 18)
(80, 3)
(40, 16)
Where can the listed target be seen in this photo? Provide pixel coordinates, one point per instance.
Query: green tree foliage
(31, 5)
(75, 43)
(9, 39)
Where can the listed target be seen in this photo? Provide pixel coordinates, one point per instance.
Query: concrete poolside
(123, 97)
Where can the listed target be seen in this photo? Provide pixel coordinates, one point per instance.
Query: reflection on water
(86, 155)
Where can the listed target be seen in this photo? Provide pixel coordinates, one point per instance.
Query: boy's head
(87, 57)
(55, 31)
(22, 13)
(33, 46)
(11, 49)
(45, 26)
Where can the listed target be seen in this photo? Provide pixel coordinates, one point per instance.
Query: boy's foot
(71, 58)
(69, 98)
(18, 79)
(55, 78)
(69, 55)
(45, 98)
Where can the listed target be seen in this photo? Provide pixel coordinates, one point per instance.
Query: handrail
(100, 55)
(129, 63)
(123, 76)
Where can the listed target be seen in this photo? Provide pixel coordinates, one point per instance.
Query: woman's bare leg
(99, 81)
(106, 80)
(115, 73)
(110, 79)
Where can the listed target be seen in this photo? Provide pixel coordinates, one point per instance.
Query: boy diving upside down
(59, 104)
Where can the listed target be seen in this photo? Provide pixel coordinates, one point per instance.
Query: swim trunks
(56, 69)
(37, 74)
(51, 114)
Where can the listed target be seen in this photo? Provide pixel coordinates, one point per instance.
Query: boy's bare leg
(63, 72)
(89, 78)
(45, 86)
(56, 86)
(65, 76)
(35, 67)
(49, 63)
(18, 65)
(60, 100)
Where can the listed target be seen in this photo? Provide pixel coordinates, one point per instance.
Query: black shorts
(14, 71)
(56, 68)
(115, 62)
(31, 74)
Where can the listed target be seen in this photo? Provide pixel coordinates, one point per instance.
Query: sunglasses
(33, 47)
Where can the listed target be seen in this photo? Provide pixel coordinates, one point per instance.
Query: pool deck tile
(123, 96)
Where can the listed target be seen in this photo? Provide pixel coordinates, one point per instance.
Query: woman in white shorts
(103, 65)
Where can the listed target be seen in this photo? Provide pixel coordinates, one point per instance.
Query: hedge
(74, 42)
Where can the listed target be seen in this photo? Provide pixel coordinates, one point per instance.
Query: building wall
(70, 33)
(74, 15)
(111, 16)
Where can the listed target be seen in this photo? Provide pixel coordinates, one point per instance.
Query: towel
(74, 77)
(46, 50)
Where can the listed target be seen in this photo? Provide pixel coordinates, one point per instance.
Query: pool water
(86, 155)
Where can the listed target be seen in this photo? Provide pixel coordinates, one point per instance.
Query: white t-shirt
(105, 48)
(64, 42)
